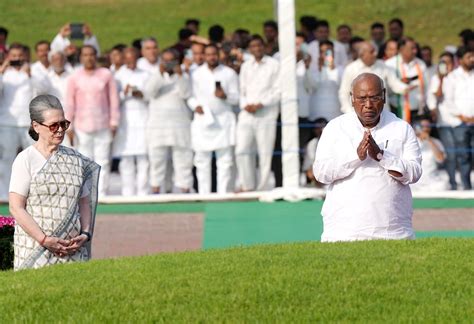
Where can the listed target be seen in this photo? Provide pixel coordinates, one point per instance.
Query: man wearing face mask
(367, 63)
(17, 86)
(168, 125)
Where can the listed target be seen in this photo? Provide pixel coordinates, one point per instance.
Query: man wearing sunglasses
(368, 158)
(93, 109)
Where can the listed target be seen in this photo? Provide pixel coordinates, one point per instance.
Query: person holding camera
(215, 88)
(17, 87)
(73, 31)
(130, 142)
(168, 127)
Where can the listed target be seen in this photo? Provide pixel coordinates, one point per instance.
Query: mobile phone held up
(218, 84)
(16, 63)
(77, 31)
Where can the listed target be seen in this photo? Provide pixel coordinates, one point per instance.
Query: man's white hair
(52, 53)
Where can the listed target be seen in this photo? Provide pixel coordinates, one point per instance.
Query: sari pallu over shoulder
(53, 202)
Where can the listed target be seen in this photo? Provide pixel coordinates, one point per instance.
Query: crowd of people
(166, 114)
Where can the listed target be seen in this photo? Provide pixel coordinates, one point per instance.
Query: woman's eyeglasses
(53, 128)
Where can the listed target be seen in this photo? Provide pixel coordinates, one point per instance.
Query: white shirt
(324, 102)
(130, 139)
(446, 116)
(433, 177)
(60, 43)
(215, 129)
(38, 68)
(340, 54)
(416, 96)
(259, 83)
(363, 200)
(16, 92)
(145, 65)
(169, 119)
(58, 84)
(310, 154)
(358, 67)
(458, 89)
(305, 86)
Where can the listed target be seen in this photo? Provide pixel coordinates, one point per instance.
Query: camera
(77, 30)
(16, 63)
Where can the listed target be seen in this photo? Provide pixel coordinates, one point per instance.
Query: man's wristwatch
(379, 155)
(89, 236)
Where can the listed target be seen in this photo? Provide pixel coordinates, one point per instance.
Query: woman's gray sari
(53, 202)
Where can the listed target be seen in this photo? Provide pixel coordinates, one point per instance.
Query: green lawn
(433, 22)
(427, 280)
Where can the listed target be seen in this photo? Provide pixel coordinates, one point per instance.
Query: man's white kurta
(130, 138)
(363, 200)
(215, 129)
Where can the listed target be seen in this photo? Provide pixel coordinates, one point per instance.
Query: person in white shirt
(130, 144)
(256, 127)
(41, 67)
(426, 54)
(367, 63)
(61, 41)
(459, 96)
(324, 102)
(344, 36)
(434, 178)
(446, 120)
(17, 86)
(310, 152)
(368, 158)
(321, 33)
(411, 70)
(150, 56)
(117, 57)
(190, 64)
(215, 88)
(168, 126)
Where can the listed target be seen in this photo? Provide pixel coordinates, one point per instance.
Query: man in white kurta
(17, 86)
(168, 125)
(324, 102)
(411, 70)
(256, 128)
(368, 158)
(130, 142)
(368, 63)
(215, 90)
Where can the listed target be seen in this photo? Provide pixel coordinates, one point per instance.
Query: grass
(427, 280)
(434, 22)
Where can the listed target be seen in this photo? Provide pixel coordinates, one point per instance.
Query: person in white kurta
(411, 70)
(168, 126)
(130, 142)
(324, 102)
(434, 178)
(58, 77)
(256, 127)
(17, 86)
(368, 63)
(61, 41)
(215, 90)
(368, 158)
(150, 60)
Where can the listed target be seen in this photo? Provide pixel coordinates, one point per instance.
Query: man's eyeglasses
(372, 99)
(53, 128)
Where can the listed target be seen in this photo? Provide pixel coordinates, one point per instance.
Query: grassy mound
(427, 280)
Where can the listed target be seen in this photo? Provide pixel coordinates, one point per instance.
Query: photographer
(168, 126)
(74, 31)
(16, 91)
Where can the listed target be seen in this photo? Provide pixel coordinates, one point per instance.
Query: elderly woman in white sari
(53, 193)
